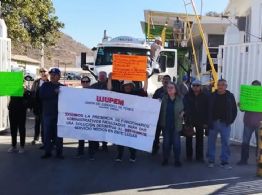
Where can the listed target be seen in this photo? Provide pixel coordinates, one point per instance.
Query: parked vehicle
(166, 63)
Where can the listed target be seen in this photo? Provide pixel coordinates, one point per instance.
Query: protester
(128, 87)
(222, 113)
(49, 96)
(170, 120)
(196, 115)
(156, 48)
(159, 94)
(37, 106)
(85, 82)
(102, 85)
(251, 124)
(102, 81)
(17, 116)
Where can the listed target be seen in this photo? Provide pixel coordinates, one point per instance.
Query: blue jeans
(50, 135)
(171, 139)
(224, 130)
(247, 134)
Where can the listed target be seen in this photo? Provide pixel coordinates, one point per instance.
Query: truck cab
(165, 63)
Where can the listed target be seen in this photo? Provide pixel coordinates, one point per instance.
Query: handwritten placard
(126, 67)
(11, 84)
(251, 98)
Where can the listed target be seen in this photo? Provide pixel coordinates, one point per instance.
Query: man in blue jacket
(49, 96)
(222, 113)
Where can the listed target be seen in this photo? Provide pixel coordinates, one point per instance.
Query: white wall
(241, 64)
(256, 20)
(5, 65)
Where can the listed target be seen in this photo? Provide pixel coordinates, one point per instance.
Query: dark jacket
(178, 108)
(159, 93)
(37, 104)
(196, 109)
(49, 98)
(20, 104)
(231, 108)
(99, 85)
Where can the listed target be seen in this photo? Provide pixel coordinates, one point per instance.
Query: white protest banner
(100, 115)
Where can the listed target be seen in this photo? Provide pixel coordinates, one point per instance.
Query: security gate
(240, 64)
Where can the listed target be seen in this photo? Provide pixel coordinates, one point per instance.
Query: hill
(65, 51)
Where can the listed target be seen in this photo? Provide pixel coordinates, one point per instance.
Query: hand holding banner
(132, 68)
(100, 115)
(251, 98)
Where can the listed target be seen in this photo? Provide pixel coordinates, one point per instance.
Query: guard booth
(5, 66)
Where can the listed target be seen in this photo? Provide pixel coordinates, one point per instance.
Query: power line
(245, 31)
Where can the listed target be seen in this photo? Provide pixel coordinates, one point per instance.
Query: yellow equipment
(201, 31)
(259, 152)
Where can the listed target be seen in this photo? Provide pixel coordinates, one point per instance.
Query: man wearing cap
(49, 97)
(196, 115)
(37, 105)
(156, 48)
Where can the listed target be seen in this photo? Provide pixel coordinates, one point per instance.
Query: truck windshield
(105, 54)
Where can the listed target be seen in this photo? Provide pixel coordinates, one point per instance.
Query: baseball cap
(54, 71)
(196, 82)
(158, 39)
(128, 82)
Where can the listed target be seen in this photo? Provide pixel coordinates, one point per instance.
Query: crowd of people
(186, 109)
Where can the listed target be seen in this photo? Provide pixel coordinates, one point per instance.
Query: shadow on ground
(28, 174)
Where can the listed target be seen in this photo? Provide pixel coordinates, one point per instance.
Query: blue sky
(85, 20)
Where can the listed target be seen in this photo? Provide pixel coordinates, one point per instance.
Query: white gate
(240, 64)
(5, 65)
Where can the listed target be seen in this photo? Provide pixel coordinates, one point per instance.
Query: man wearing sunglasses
(196, 115)
(37, 106)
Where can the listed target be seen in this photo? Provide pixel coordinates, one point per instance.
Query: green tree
(31, 21)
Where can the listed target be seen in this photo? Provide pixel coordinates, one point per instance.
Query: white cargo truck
(166, 62)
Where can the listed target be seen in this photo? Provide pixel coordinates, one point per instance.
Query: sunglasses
(196, 85)
(42, 71)
(85, 81)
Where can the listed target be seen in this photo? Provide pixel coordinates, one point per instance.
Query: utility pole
(42, 55)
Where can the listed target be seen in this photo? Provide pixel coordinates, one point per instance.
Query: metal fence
(5, 65)
(240, 64)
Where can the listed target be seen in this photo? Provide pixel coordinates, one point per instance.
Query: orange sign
(131, 68)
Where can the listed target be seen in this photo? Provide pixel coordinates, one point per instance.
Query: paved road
(28, 174)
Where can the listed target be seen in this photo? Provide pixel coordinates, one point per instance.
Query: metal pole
(42, 55)
(259, 152)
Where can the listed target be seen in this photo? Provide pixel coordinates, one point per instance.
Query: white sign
(100, 115)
